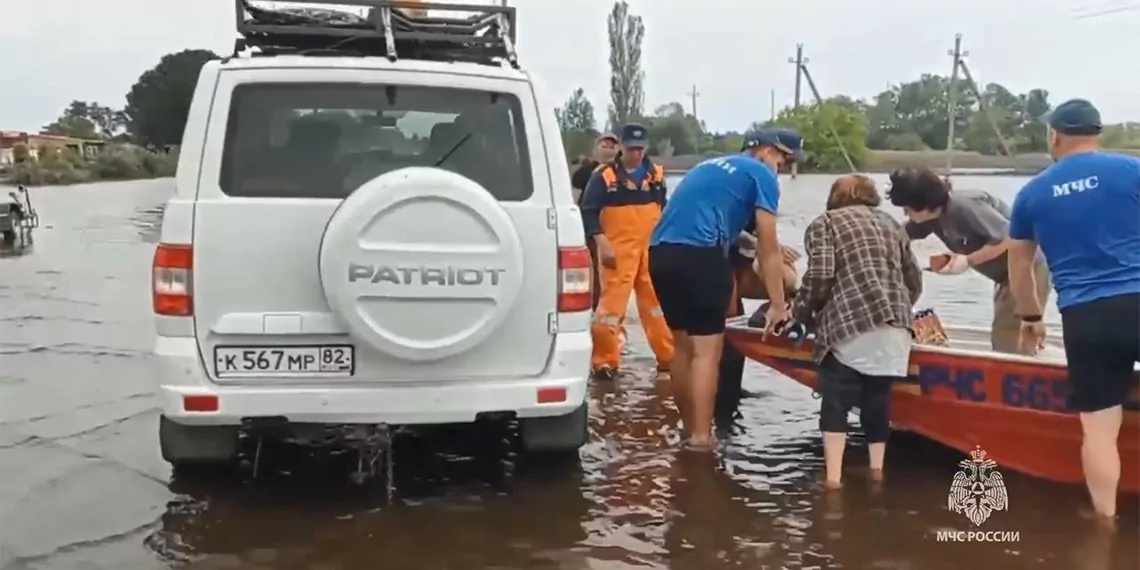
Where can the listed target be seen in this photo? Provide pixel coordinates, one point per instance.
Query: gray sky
(735, 51)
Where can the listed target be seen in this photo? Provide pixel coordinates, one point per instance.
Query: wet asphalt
(82, 485)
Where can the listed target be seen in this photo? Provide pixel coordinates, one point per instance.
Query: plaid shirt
(861, 275)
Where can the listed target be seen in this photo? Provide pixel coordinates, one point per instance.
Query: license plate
(325, 360)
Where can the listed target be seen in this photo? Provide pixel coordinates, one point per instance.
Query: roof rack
(391, 28)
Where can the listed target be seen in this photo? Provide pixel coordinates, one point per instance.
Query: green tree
(158, 104)
(577, 114)
(86, 120)
(1121, 136)
(820, 126)
(75, 127)
(627, 96)
(578, 125)
(672, 131)
(1034, 132)
(1002, 108)
(21, 153)
(921, 107)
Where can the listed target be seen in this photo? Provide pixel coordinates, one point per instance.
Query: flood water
(82, 485)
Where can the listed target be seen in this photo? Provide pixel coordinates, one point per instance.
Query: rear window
(325, 140)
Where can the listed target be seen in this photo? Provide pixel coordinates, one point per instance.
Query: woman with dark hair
(974, 226)
(858, 294)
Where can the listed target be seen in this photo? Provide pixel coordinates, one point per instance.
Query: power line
(1107, 11)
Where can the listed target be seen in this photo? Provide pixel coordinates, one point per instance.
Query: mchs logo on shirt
(1072, 186)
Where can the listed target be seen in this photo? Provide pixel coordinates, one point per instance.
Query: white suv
(364, 239)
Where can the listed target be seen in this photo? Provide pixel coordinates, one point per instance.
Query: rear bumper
(179, 373)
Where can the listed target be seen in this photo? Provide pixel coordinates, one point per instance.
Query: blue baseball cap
(634, 135)
(1075, 117)
(787, 141)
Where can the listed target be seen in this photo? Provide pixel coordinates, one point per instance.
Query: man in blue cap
(692, 275)
(1084, 212)
(621, 206)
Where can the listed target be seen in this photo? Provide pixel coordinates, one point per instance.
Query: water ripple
(83, 486)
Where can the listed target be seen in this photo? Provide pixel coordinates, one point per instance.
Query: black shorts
(1102, 346)
(693, 286)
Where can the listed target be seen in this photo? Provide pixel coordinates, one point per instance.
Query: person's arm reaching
(815, 289)
(768, 249)
(663, 192)
(987, 221)
(912, 271)
(1022, 253)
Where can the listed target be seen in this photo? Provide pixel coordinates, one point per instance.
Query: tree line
(909, 116)
(135, 141)
(156, 109)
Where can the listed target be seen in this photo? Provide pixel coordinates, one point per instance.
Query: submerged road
(82, 485)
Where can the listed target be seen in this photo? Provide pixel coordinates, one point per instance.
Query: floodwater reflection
(82, 486)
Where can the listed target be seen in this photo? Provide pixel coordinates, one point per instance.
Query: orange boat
(964, 396)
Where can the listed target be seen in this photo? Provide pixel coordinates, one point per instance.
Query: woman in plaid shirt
(858, 293)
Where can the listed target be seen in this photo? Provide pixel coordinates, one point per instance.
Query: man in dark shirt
(605, 148)
(974, 226)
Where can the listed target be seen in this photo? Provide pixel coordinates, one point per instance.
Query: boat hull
(1012, 407)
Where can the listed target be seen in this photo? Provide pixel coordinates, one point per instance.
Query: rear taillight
(574, 279)
(172, 275)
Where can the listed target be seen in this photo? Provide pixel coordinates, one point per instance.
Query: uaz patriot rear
(373, 225)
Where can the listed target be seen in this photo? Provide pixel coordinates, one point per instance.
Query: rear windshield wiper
(454, 148)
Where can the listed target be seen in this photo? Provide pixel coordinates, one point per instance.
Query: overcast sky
(735, 51)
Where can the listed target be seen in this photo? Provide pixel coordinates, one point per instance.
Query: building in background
(37, 142)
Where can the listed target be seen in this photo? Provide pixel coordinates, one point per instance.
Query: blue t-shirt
(715, 200)
(1084, 212)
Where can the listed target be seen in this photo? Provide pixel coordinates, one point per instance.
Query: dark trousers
(729, 391)
(842, 388)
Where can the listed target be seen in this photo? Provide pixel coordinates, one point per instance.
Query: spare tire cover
(421, 263)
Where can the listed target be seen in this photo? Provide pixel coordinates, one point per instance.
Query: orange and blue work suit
(624, 206)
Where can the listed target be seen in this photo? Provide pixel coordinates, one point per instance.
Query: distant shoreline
(883, 161)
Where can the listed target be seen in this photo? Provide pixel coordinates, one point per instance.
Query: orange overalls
(627, 213)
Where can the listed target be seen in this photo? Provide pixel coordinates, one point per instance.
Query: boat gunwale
(740, 325)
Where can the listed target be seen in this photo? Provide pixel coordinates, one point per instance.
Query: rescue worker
(1084, 213)
(622, 204)
(974, 226)
(691, 270)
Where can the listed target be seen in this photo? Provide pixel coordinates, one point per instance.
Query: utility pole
(693, 96)
(799, 62)
(772, 103)
(952, 98)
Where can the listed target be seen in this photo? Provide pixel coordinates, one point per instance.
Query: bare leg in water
(702, 383)
(833, 445)
(680, 374)
(1101, 459)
